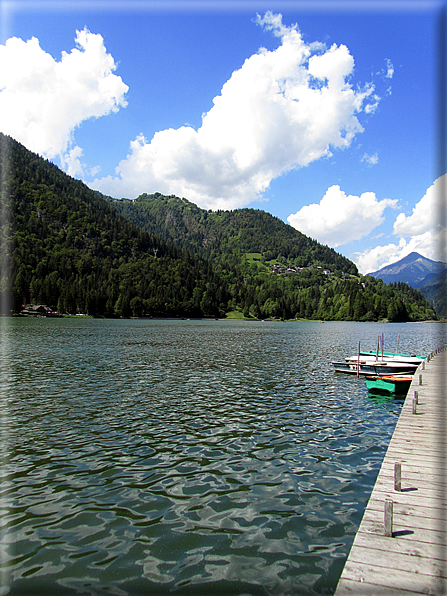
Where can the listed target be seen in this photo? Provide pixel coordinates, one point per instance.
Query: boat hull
(373, 368)
(388, 384)
(414, 360)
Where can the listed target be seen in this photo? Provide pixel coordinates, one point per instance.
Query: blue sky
(325, 114)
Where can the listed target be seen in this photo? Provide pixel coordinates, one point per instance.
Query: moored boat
(392, 356)
(398, 384)
(406, 359)
(374, 367)
(379, 362)
(379, 351)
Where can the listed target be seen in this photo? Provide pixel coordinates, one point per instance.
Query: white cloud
(426, 213)
(389, 69)
(339, 218)
(371, 160)
(42, 101)
(424, 232)
(375, 258)
(71, 162)
(387, 73)
(431, 244)
(281, 110)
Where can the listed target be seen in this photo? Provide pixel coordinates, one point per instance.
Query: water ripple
(160, 456)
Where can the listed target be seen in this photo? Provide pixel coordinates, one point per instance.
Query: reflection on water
(186, 457)
(386, 398)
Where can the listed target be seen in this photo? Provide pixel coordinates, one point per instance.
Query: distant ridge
(414, 270)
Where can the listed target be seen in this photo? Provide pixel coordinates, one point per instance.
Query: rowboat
(406, 359)
(373, 367)
(413, 358)
(398, 384)
(379, 362)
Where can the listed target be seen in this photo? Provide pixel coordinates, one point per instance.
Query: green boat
(398, 384)
(393, 355)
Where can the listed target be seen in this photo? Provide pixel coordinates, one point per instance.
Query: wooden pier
(401, 545)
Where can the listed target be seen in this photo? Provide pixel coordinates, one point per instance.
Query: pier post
(420, 379)
(398, 476)
(414, 405)
(388, 518)
(416, 397)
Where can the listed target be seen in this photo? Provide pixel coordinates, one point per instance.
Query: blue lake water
(187, 457)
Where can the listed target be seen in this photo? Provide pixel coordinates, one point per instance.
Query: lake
(187, 457)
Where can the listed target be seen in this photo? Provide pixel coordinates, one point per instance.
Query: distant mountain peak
(413, 269)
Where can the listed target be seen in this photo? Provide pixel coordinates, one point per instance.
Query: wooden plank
(348, 587)
(388, 465)
(404, 521)
(404, 547)
(401, 561)
(394, 578)
(418, 477)
(412, 489)
(415, 447)
(411, 493)
(406, 532)
(403, 508)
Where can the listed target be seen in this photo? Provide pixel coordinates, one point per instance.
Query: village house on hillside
(278, 269)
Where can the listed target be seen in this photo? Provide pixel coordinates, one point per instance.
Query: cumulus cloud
(375, 258)
(71, 162)
(282, 109)
(42, 101)
(424, 231)
(426, 213)
(339, 218)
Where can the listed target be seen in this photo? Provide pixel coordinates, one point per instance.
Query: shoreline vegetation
(74, 250)
(233, 316)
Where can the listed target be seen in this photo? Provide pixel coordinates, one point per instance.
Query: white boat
(379, 362)
(374, 367)
(390, 357)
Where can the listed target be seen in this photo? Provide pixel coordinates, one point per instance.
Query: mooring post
(388, 518)
(416, 397)
(415, 405)
(420, 379)
(398, 476)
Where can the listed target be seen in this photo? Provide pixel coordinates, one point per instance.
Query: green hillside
(71, 250)
(217, 235)
(68, 247)
(435, 291)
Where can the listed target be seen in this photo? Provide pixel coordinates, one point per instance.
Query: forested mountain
(66, 246)
(435, 291)
(71, 250)
(217, 235)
